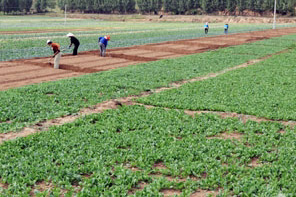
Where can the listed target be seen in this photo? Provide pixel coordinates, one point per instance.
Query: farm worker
(206, 26)
(57, 53)
(226, 26)
(103, 42)
(74, 41)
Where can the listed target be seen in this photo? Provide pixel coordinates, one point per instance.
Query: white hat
(70, 35)
(49, 41)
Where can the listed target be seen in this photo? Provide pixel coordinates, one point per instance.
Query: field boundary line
(114, 103)
(242, 117)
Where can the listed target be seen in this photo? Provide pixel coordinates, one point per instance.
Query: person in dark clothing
(74, 41)
(207, 27)
(103, 42)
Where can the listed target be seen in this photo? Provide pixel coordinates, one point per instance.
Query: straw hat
(70, 35)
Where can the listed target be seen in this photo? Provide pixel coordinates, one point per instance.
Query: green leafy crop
(265, 89)
(94, 154)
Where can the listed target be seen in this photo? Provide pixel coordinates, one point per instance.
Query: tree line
(99, 6)
(153, 6)
(24, 6)
(213, 6)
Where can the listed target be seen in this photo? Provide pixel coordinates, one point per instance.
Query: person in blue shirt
(226, 26)
(103, 42)
(207, 27)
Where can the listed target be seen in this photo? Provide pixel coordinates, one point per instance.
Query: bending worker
(74, 41)
(103, 42)
(57, 53)
(226, 26)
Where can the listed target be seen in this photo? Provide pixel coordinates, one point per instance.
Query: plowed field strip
(20, 71)
(113, 104)
(22, 78)
(18, 83)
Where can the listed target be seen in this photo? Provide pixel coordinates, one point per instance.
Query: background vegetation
(226, 7)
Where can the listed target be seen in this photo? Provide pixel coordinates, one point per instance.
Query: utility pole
(65, 14)
(274, 15)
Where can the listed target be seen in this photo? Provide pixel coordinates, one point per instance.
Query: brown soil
(43, 186)
(203, 193)
(132, 168)
(141, 186)
(255, 162)
(160, 166)
(170, 192)
(236, 136)
(4, 186)
(172, 179)
(18, 73)
(244, 118)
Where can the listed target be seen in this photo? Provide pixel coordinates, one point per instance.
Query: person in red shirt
(57, 53)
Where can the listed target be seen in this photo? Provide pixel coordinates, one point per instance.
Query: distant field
(33, 44)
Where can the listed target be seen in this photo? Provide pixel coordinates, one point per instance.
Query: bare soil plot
(18, 73)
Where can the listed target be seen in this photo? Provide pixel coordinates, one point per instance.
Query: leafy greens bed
(266, 89)
(94, 155)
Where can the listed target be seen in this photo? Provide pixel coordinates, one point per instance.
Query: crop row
(29, 104)
(264, 90)
(113, 152)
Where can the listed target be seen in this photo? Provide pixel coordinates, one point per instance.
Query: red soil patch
(255, 162)
(203, 193)
(4, 185)
(282, 131)
(170, 192)
(169, 178)
(160, 166)
(24, 72)
(140, 187)
(42, 186)
(236, 136)
(132, 168)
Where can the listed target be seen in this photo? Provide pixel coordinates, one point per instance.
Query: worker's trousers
(57, 61)
(102, 49)
(226, 31)
(75, 51)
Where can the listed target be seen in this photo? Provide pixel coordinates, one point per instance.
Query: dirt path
(19, 73)
(113, 104)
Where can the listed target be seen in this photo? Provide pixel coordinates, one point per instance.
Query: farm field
(153, 152)
(24, 72)
(51, 100)
(194, 117)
